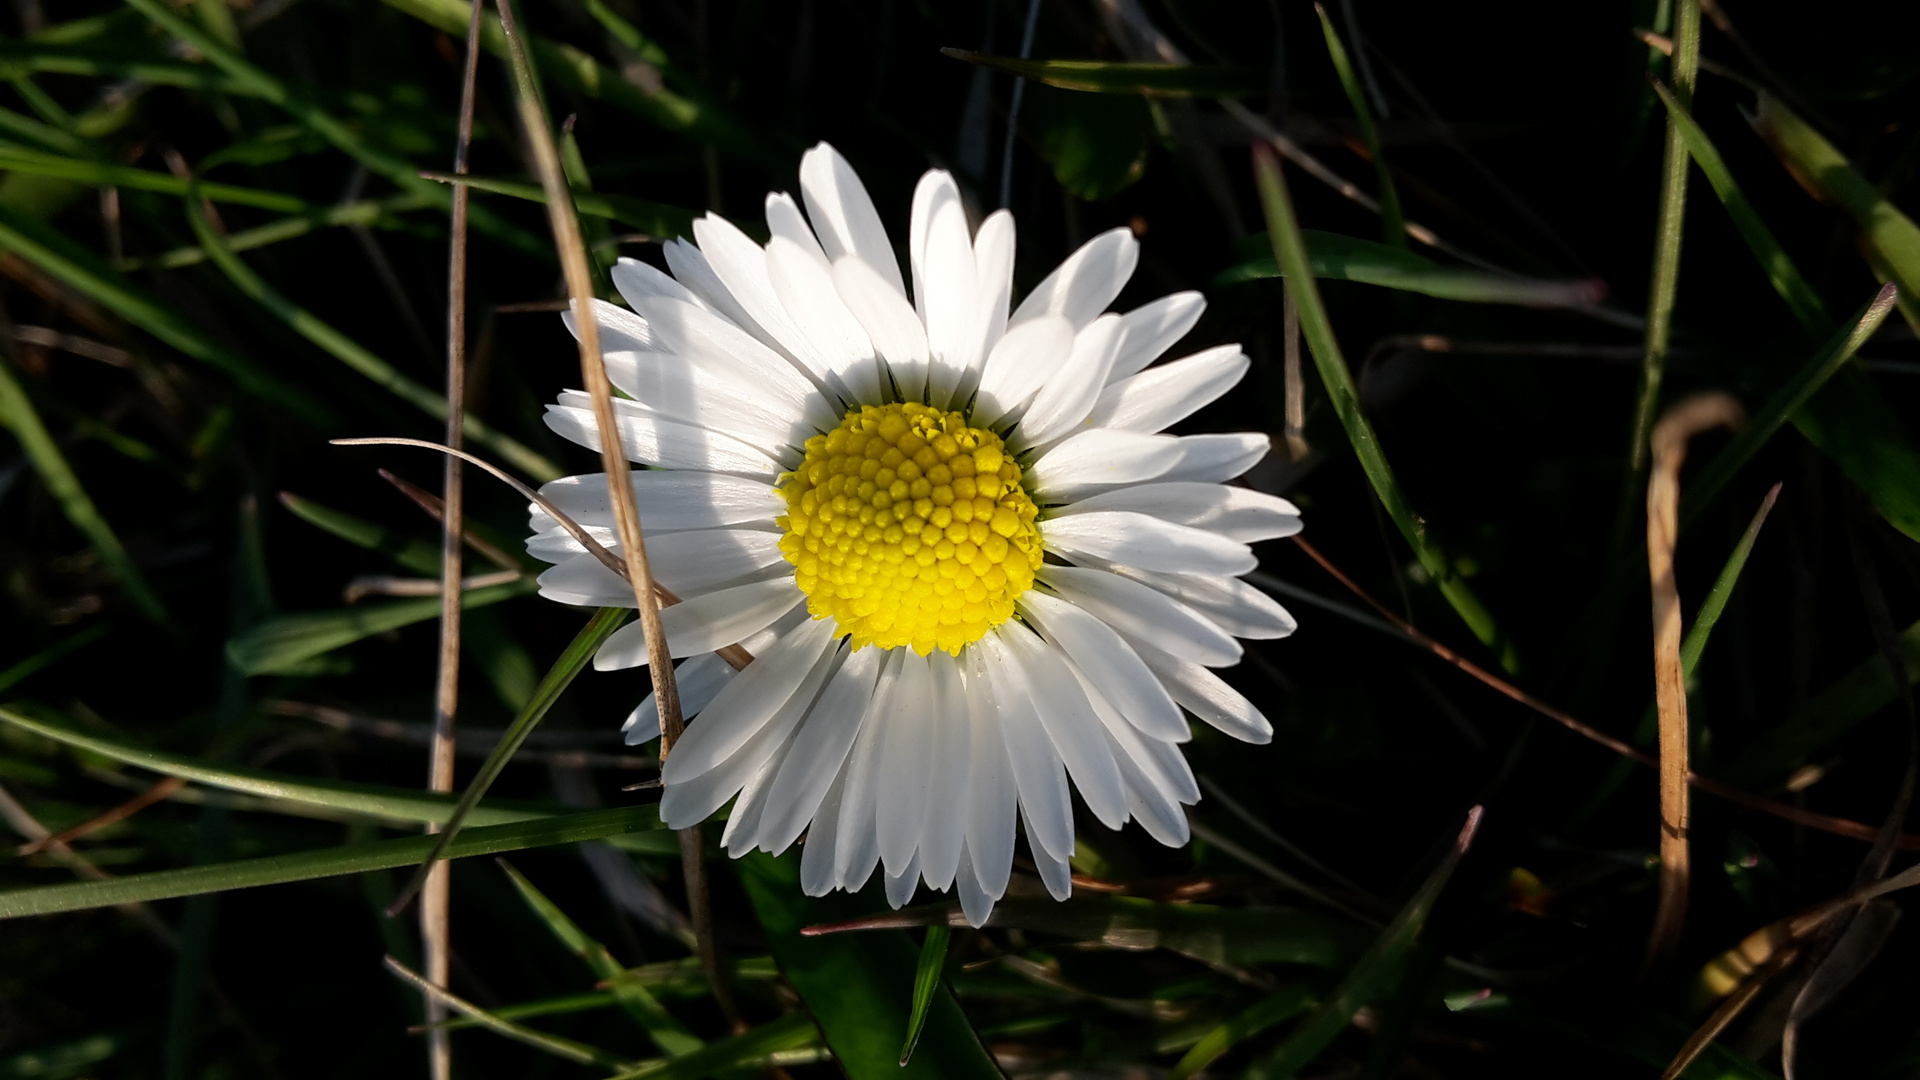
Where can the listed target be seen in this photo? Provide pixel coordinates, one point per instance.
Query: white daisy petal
(820, 749)
(1217, 458)
(669, 501)
(993, 257)
(742, 830)
(1153, 328)
(1071, 725)
(1064, 402)
(642, 283)
(1234, 512)
(1091, 462)
(655, 440)
(806, 290)
(889, 321)
(991, 789)
(691, 268)
(703, 623)
(952, 746)
(818, 874)
(1144, 614)
(1113, 666)
(900, 889)
(1134, 539)
(1086, 283)
(858, 845)
(946, 280)
(976, 903)
(785, 222)
(1020, 363)
(1153, 799)
(665, 384)
(1160, 397)
(701, 338)
(843, 214)
(698, 680)
(741, 266)
(619, 328)
(581, 580)
(1232, 604)
(1207, 696)
(1055, 872)
(1037, 769)
(746, 703)
(906, 765)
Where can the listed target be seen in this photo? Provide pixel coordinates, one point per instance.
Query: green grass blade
(1666, 238)
(1392, 221)
(1381, 963)
(1108, 77)
(1290, 253)
(1785, 403)
(852, 983)
(563, 1005)
(558, 678)
(286, 643)
(99, 174)
(47, 135)
(418, 556)
(653, 218)
(357, 356)
(1708, 616)
(367, 212)
(559, 1046)
(369, 800)
(21, 58)
(1275, 1008)
(85, 272)
(669, 1034)
(1850, 700)
(1785, 276)
(19, 417)
(1332, 257)
(566, 67)
(686, 978)
(790, 1032)
(13, 675)
(326, 862)
(933, 956)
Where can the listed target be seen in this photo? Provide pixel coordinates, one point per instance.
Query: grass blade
(570, 664)
(669, 1034)
(1289, 252)
(933, 955)
(1333, 257)
(12, 676)
(285, 643)
(1715, 603)
(19, 417)
(559, 1047)
(101, 174)
(758, 1046)
(1392, 221)
(1277, 1007)
(415, 555)
(1360, 985)
(1843, 705)
(852, 983)
(1111, 77)
(326, 862)
(366, 212)
(653, 218)
(354, 355)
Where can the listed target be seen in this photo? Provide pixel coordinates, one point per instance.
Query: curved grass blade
(851, 983)
(415, 555)
(367, 212)
(933, 955)
(101, 174)
(85, 272)
(18, 416)
(653, 218)
(1277, 1007)
(1333, 257)
(1381, 963)
(1290, 253)
(326, 862)
(762, 1045)
(1392, 221)
(19, 58)
(370, 800)
(669, 1034)
(1109, 77)
(356, 356)
(556, 1045)
(571, 662)
(284, 643)
(1715, 603)
(1845, 703)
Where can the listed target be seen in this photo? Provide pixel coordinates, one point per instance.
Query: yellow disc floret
(909, 528)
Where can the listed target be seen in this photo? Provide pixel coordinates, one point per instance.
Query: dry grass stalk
(1669, 444)
(159, 792)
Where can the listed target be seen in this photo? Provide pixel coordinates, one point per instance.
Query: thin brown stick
(1295, 386)
(159, 792)
(436, 895)
(1669, 444)
(437, 510)
(1826, 823)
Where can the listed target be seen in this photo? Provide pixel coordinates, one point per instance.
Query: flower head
(968, 564)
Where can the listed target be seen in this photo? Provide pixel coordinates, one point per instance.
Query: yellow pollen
(909, 528)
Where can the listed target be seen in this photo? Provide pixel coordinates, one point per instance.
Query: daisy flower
(974, 574)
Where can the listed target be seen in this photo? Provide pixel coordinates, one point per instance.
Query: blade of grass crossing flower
(287, 643)
(1392, 222)
(1684, 70)
(325, 862)
(1275, 1008)
(852, 983)
(1381, 963)
(86, 273)
(555, 1045)
(1289, 251)
(353, 354)
(370, 800)
(669, 1034)
(17, 413)
(933, 956)
(761, 1045)
(571, 662)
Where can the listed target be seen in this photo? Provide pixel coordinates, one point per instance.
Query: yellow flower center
(909, 528)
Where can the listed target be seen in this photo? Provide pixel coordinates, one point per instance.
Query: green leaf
(1281, 1005)
(1107, 77)
(669, 1034)
(1392, 222)
(286, 642)
(1716, 602)
(390, 804)
(748, 1048)
(1856, 696)
(1290, 253)
(852, 983)
(653, 218)
(326, 862)
(933, 955)
(418, 556)
(1332, 257)
(85, 272)
(1375, 970)
(100, 174)
(1097, 146)
(18, 416)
